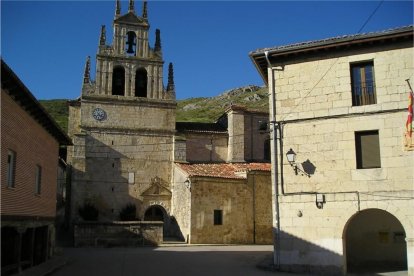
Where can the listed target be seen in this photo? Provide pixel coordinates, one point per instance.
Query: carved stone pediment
(157, 189)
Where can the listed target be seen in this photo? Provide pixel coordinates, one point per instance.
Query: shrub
(128, 212)
(88, 212)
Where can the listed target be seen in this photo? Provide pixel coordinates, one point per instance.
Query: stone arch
(158, 213)
(118, 81)
(374, 241)
(131, 43)
(141, 82)
(155, 213)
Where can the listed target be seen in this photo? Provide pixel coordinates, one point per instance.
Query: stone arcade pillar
(410, 254)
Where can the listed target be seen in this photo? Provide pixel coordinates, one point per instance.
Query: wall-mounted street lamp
(291, 158)
(187, 183)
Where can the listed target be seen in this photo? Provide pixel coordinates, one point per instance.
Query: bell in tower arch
(131, 37)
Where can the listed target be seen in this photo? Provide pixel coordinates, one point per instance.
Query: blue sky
(46, 42)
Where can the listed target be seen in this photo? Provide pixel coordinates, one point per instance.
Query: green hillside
(189, 110)
(209, 109)
(59, 110)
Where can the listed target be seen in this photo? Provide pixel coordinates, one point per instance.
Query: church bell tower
(130, 67)
(123, 124)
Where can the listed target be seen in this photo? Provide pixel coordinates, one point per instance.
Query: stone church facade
(123, 124)
(127, 145)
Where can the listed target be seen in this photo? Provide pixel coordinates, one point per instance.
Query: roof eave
(258, 55)
(27, 101)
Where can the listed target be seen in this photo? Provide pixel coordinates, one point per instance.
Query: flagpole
(409, 85)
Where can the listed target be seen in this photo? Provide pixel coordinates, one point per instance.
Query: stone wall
(262, 202)
(129, 113)
(181, 202)
(205, 147)
(255, 139)
(234, 198)
(96, 234)
(115, 160)
(332, 96)
(236, 149)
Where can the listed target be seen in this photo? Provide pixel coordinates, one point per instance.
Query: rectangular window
(11, 168)
(38, 179)
(218, 217)
(363, 83)
(367, 149)
(131, 178)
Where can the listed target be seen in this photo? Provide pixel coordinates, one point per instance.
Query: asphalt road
(182, 260)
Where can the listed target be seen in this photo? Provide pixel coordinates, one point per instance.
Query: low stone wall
(118, 233)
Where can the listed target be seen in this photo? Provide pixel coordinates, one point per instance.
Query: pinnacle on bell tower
(102, 38)
(87, 72)
(117, 9)
(157, 45)
(170, 85)
(131, 7)
(144, 10)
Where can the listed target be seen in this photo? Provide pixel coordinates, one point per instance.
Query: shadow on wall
(373, 242)
(106, 182)
(300, 256)
(99, 181)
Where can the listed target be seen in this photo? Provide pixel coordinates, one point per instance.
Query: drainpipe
(254, 208)
(273, 130)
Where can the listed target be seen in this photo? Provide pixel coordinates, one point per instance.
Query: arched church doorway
(158, 213)
(374, 241)
(154, 213)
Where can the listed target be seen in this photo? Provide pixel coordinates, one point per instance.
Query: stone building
(221, 179)
(128, 149)
(30, 141)
(346, 204)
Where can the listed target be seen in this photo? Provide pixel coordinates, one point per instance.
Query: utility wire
(330, 67)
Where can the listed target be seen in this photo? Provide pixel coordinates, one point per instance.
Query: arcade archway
(374, 241)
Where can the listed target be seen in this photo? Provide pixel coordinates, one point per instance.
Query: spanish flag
(409, 123)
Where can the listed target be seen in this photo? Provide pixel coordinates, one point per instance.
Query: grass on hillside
(59, 111)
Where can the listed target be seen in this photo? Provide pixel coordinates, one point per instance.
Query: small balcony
(364, 93)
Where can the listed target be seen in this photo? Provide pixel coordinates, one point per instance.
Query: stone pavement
(170, 259)
(46, 268)
(164, 260)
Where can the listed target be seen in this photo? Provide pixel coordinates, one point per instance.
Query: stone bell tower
(130, 67)
(123, 124)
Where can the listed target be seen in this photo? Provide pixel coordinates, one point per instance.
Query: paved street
(183, 260)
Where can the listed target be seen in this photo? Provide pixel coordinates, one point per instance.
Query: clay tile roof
(222, 170)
